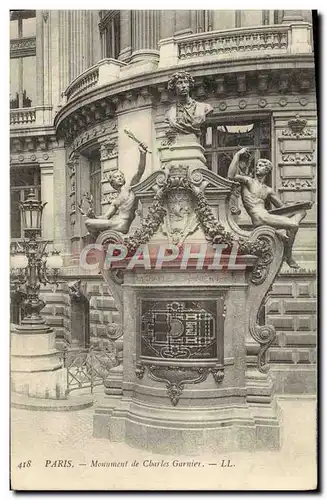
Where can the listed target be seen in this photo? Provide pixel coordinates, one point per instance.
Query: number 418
(24, 464)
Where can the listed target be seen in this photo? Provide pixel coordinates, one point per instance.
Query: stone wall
(104, 316)
(291, 309)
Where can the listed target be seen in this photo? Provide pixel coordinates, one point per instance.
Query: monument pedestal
(38, 377)
(194, 357)
(36, 369)
(192, 390)
(183, 150)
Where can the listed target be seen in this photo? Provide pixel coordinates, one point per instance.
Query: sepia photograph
(163, 250)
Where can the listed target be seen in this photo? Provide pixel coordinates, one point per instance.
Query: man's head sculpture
(263, 167)
(116, 179)
(181, 83)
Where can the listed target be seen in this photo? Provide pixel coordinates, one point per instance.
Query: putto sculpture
(121, 211)
(255, 194)
(186, 115)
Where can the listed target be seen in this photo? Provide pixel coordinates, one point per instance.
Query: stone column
(183, 22)
(55, 43)
(292, 15)
(145, 36)
(60, 194)
(125, 35)
(167, 23)
(80, 42)
(39, 59)
(47, 195)
(47, 95)
(64, 79)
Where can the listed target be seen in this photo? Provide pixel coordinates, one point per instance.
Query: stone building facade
(98, 72)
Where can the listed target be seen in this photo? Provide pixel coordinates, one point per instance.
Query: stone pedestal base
(185, 150)
(36, 369)
(188, 430)
(72, 403)
(114, 383)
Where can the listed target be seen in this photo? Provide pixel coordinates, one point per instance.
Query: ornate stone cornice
(214, 79)
(87, 117)
(31, 149)
(97, 133)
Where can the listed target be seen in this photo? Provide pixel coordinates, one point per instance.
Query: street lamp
(30, 263)
(37, 370)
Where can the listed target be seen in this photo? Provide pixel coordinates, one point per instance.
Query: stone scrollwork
(113, 277)
(266, 256)
(262, 279)
(175, 378)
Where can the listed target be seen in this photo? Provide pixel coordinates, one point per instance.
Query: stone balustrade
(36, 116)
(22, 116)
(83, 83)
(285, 39)
(241, 42)
(105, 71)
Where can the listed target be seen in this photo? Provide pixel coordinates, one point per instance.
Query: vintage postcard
(163, 182)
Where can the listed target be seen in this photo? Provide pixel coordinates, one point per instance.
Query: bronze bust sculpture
(255, 193)
(186, 115)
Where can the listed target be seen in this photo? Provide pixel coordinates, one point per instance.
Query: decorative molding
(175, 377)
(72, 164)
(297, 158)
(296, 128)
(96, 132)
(298, 184)
(108, 149)
(35, 144)
(23, 47)
(86, 117)
(150, 91)
(45, 15)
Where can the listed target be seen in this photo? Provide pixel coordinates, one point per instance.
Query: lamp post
(30, 263)
(36, 367)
